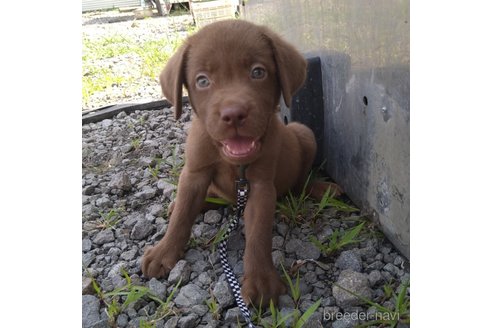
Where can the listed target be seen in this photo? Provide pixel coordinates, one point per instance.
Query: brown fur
(236, 104)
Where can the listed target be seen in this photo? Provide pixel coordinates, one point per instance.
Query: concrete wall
(363, 46)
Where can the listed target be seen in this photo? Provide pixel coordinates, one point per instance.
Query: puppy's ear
(172, 79)
(291, 66)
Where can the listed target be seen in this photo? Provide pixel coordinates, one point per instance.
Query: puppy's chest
(224, 180)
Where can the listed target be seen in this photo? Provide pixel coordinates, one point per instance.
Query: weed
(386, 317)
(136, 143)
(108, 220)
(145, 324)
(133, 293)
(154, 171)
(176, 164)
(295, 207)
(275, 319)
(338, 240)
(294, 287)
(328, 200)
(213, 308)
(215, 240)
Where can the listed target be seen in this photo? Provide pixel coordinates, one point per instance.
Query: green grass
(176, 164)
(295, 290)
(385, 316)
(273, 318)
(329, 200)
(337, 240)
(150, 57)
(131, 293)
(108, 220)
(213, 307)
(300, 208)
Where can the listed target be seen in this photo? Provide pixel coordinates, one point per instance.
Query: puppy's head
(234, 72)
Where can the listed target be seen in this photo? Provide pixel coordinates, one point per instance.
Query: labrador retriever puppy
(235, 73)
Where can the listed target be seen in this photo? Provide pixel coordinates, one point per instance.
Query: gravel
(126, 189)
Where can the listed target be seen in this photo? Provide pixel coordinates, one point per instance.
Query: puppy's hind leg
(315, 188)
(307, 143)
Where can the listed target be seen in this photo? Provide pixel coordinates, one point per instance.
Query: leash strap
(242, 188)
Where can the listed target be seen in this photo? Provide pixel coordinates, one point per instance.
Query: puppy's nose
(234, 115)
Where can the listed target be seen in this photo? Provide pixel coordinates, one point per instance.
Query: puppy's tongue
(239, 146)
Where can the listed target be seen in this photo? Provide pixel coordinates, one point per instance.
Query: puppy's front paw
(261, 287)
(157, 262)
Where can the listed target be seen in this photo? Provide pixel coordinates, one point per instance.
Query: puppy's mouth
(240, 147)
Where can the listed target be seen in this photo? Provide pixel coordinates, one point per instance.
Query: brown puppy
(235, 73)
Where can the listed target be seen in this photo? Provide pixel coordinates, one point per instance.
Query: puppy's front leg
(261, 281)
(161, 258)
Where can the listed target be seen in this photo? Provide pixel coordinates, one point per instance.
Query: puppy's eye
(202, 81)
(258, 73)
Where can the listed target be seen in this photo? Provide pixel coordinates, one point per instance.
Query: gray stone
(121, 115)
(90, 310)
(330, 312)
(368, 252)
(324, 233)
(157, 288)
(204, 278)
(398, 261)
(233, 315)
(285, 301)
(86, 245)
(166, 187)
(391, 268)
(147, 161)
(188, 321)
(314, 321)
(126, 148)
(146, 194)
(305, 305)
(129, 255)
(278, 258)
(103, 237)
(181, 270)
(200, 310)
(172, 322)
(103, 202)
(291, 314)
(282, 228)
(212, 217)
(141, 229)
(89, 211)
(190, 295)
(223, 294)
(103, 323)
(375, 277)
(106, 123)
(302, 249)
(89, 190)
(122, 320)
(116, 270)
(278, 242)
(193, 255)
(121, 181)
(157, 210)
(376, 265)
(87, 287)
(88, 258)
(349, 260)
(346, 321)
(357, 283)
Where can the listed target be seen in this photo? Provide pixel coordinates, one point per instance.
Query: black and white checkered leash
(242, 187)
